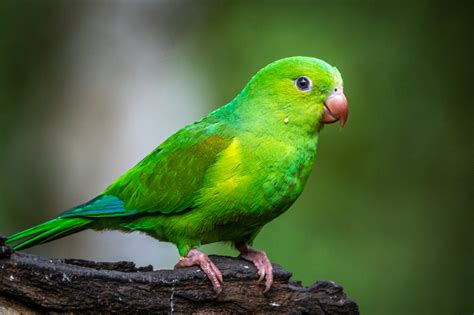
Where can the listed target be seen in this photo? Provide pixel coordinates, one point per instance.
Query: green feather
(167, 180)
(47, 231)
(103, 206)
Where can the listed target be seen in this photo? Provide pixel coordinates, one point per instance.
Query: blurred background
(88, 88)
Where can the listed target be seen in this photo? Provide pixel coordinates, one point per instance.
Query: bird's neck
(272, 119)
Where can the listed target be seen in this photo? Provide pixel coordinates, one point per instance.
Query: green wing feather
(99, 207)
(167, 180)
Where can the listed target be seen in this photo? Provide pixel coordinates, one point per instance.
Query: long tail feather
(48, 231)
(71, 221)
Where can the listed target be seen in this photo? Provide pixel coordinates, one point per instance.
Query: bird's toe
(197, 258)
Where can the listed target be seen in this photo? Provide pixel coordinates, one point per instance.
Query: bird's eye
(303, 84)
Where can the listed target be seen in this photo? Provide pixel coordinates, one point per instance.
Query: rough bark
(32, 284)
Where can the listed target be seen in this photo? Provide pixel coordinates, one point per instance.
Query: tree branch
(34, 284)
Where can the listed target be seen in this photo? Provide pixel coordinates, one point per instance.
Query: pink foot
(196, 258)
(261, 262)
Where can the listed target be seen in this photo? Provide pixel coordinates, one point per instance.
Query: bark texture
(32, 284)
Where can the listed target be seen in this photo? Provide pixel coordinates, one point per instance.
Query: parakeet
(223, 177)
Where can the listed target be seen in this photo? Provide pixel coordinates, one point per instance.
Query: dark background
(89, 88)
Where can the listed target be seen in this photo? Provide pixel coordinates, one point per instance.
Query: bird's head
(297, 90)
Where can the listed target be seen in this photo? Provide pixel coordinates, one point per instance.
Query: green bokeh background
(386, 212)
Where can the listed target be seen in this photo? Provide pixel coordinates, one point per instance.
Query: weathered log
(32, 284)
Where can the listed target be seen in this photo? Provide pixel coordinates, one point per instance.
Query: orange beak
(336, 108)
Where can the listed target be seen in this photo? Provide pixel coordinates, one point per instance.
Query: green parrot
(223, 177)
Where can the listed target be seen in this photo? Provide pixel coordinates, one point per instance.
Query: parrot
(223, 177)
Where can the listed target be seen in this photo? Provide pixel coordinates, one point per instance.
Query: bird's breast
(256, 179)
(286, 176)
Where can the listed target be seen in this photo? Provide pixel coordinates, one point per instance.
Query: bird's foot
(261, 262)
(197, 258)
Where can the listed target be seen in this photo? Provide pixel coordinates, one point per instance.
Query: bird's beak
(336, 108)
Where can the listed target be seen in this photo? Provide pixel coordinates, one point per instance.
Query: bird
(223, 177)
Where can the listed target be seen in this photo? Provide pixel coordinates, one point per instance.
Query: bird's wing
(166, 181)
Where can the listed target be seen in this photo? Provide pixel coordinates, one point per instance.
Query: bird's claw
(197, 258)
(261, 262)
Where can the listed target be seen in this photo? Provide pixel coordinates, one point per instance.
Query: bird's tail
(48, 231)
(74, 220)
